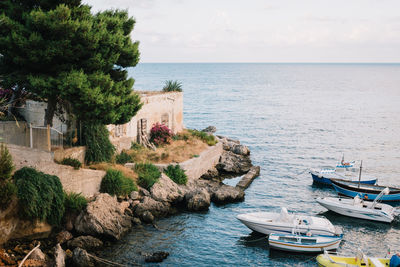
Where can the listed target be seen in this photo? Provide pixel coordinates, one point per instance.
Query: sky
(263, 30)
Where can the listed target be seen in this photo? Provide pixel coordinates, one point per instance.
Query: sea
(293, 117)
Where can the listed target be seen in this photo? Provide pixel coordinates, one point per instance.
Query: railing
(23, 134)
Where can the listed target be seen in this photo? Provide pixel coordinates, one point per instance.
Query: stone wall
(77, 152)
(83, 181)
(157, 107)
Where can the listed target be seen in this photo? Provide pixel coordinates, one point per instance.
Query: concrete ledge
(248, 178)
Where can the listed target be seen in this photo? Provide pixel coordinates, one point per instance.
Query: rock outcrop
(166, 190)
(231, 163)
(198, 200)
(59, 256)
(80, 258)
(85, 242)
(227, 194)
(103, 217)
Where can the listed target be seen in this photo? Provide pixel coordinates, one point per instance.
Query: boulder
(37, 254)
(166, 190)
(157, 208)
(198, 200)
(147, 217)
(234, 163)
(240, 150)
(210, 129)
(59, 256)
(158, 256)
(143, 192)
(81, 258)
(103, 217)
(85, 242)
(210, 174)
(134, 195)
(63, 236)
(227, 194)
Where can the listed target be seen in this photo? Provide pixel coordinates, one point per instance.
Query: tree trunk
(51, 108)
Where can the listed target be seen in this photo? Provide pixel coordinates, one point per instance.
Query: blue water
(293, 117)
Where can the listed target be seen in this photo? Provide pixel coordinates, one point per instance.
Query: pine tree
(60, 52)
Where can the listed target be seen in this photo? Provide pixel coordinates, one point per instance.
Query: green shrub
(98, 145)
(6, 164)
(136, 146)
(72, 162)
(208, 139)
(171, 86)
(148, 174)
(40, 195)
(123, 158)
(74, 203)
(7, 191)
(115, 183)
(176, 174)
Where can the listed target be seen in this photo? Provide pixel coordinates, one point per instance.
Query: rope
(24, 259)
(110, 262)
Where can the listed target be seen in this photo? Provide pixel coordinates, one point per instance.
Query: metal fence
(23, 134)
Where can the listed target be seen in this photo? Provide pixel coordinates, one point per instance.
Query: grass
(72, 162)
(183, 146)
(148, 174)
(176, 174)
(116, 184)
(104, 166)
(74, 202)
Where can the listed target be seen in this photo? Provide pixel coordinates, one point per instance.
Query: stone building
(161, 107)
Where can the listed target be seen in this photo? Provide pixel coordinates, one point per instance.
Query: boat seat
(376, 262)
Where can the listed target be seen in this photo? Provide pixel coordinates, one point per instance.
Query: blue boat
(324, 176)
(365, 191)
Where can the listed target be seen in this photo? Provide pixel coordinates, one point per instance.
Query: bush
(98, 145)
(176, 174)
(40, 195)
(74, 203)
(148, 174)
(72, 162)
(7, 191)
(171, 86)
(136, 146)
(6, 164)
(115, 183)
(123, 158)
(160, 134)
(208, 139)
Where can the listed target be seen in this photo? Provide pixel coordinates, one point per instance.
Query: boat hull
(338, 261)
(360, 213)
(329, 243)
(321, 179)
(362, 192)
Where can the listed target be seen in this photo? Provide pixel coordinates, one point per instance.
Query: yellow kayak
(327, 260)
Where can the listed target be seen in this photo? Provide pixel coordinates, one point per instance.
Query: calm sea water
(293, 117)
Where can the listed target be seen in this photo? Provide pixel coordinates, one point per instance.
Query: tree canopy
(60, 52)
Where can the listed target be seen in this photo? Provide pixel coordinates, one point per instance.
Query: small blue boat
(365, 191)
(324, 176)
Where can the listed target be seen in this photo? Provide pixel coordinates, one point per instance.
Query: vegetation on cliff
(116, 184)
(176, 173)
(40, 195)
(172, 86)
(7, 187)
(148, 174)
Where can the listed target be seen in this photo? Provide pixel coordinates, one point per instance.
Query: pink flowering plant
(160, 134)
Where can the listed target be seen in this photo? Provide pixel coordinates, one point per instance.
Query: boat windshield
(298, 240)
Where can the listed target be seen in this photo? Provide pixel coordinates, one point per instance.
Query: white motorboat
(304, 242)
(358, 208)
(283, 222)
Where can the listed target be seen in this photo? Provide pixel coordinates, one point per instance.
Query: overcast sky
(263, 30)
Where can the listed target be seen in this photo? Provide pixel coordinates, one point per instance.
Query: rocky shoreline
(108, 218)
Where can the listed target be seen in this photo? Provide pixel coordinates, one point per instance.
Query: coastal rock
(147, 217)
(63, 236)
(134, 195)
(81, 258)
(143, 192)
(233, 163)
(157, 208)
(59, 256)
(227, 194)
(198, 200)
(85, 242)
(37, 254)
(240, 150)
(158, 256)
(210, 174)
(165, 190)
(103, 217)
(210, 129)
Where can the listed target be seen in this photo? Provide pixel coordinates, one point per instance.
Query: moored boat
(324, 176)
(303, 242)
(365, 191)
(358, 208)
(328, 260)
(283, 222)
